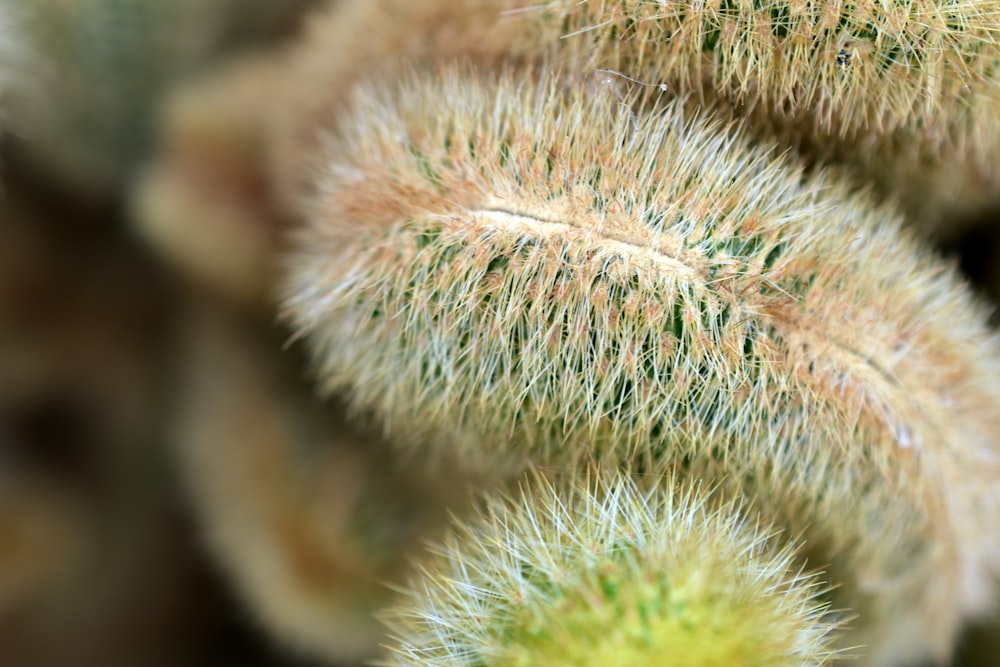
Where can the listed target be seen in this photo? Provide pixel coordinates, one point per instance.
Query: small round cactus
(611, 573)
(535, 263)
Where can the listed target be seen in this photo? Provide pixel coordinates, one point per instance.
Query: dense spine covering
(537, 264)
(906, 97)
(929, 67)
(611, 573)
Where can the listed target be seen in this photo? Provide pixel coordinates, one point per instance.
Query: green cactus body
(310, 518)
(536, 264)
(612, 574)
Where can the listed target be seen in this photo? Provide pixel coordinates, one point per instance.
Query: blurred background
(137, 326)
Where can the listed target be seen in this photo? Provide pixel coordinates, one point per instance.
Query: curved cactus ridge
(611, 573)
(535, 263)
(309, 517)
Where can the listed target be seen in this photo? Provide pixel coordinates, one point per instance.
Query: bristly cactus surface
(609, 573)
(847, 69)
(535, 263)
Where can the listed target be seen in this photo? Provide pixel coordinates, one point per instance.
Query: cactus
(106, 65)
(845, 69)
(355, 38)
(536, 263)
(309, 516)
(565, 252)
(610, 573)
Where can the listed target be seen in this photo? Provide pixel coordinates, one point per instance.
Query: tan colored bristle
(905, 95)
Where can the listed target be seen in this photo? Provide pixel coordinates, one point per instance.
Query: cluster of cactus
(629, 307)
(574, 268)
(572, 280)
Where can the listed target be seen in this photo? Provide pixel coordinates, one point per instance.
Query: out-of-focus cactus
(12, 57)
(40, 540)
(359, 38)
(205, 203)
(608, 573)
(536, 263)
(926, 67)
(310, 517)
(103, 66)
